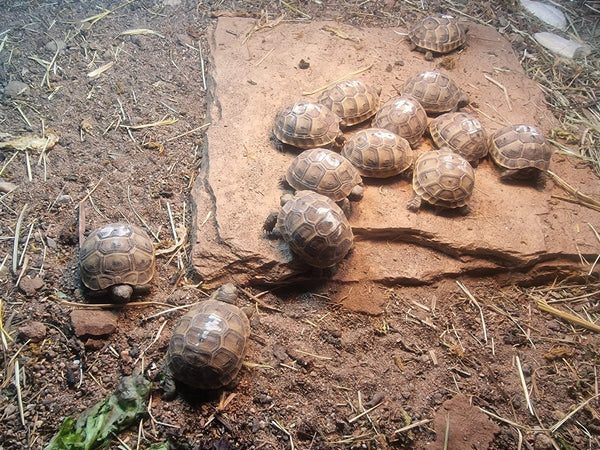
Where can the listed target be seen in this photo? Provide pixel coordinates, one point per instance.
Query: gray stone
(15, 88)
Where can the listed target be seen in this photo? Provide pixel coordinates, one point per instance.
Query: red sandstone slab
(254, 73)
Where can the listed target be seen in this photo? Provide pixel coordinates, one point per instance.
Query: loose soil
(477, 363)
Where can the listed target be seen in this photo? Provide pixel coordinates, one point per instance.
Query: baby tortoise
(117, 259)
(324, 171)
(522, 153)
(352, 100)
(438, 33)
(315, 228)
(463, 133)
(307, 125)
(208, 344)
(442, 178)
(436, 92)
(404, 116)
(378, 153)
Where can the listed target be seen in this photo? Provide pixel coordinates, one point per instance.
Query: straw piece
(575, 320)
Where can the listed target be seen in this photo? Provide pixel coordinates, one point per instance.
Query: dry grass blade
(164, 121)
(201, 127)
(15, 257)
(296, 10)
(100, 70)
(501, 86)
(3, 333)
(351, 74)
(560, 423)
(575, 320)
(412, 425)
(280, 427)
(19, 394)
(524, 385)
(364, 413)
(141, 31)
(476, 303)
(98, 17)
(584, 199)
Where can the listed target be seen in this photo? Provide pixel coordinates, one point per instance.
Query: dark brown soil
(318, 374)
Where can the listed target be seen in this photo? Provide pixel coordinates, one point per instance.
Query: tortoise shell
(307, 125)
(436, 92)
(462, 133)
(378, 153)
(315, 228)
(208, 345)
(352, 100)
(520, 147)
(442, 178)
(439, 33)
(324, 171)
(404, 116)
(114, 255)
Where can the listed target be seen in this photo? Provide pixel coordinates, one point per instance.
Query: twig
(507, 421)
(259, 301)
(501, 86)
(524, 385)
(173, 229)
(473, 300)
(15, 261)
(351, 74)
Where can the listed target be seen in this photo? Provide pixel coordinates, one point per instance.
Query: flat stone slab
(254, 72)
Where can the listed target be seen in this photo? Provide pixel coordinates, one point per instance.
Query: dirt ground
(478, 363)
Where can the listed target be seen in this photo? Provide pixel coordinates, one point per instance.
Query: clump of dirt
(123, 90)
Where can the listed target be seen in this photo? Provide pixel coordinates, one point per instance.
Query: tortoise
(438, 33)
(436, 92)
(307, 125)
(314, 227)
(117, 259)
(521, 152)
(404, 116)
(378, 153)
(462, 132)
(352, 100)
(326, 172)
(442, 178)
(208, 344)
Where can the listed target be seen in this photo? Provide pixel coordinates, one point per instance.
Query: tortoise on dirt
(326, 172)
(404, 116)
(352, 100)
(463, 133)
(117, 259)
(378, 153)
(208, 344)
(307, 125)
(315, 228)
(442, 178)
(438, 33)
(521, 152)
(436, 92)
